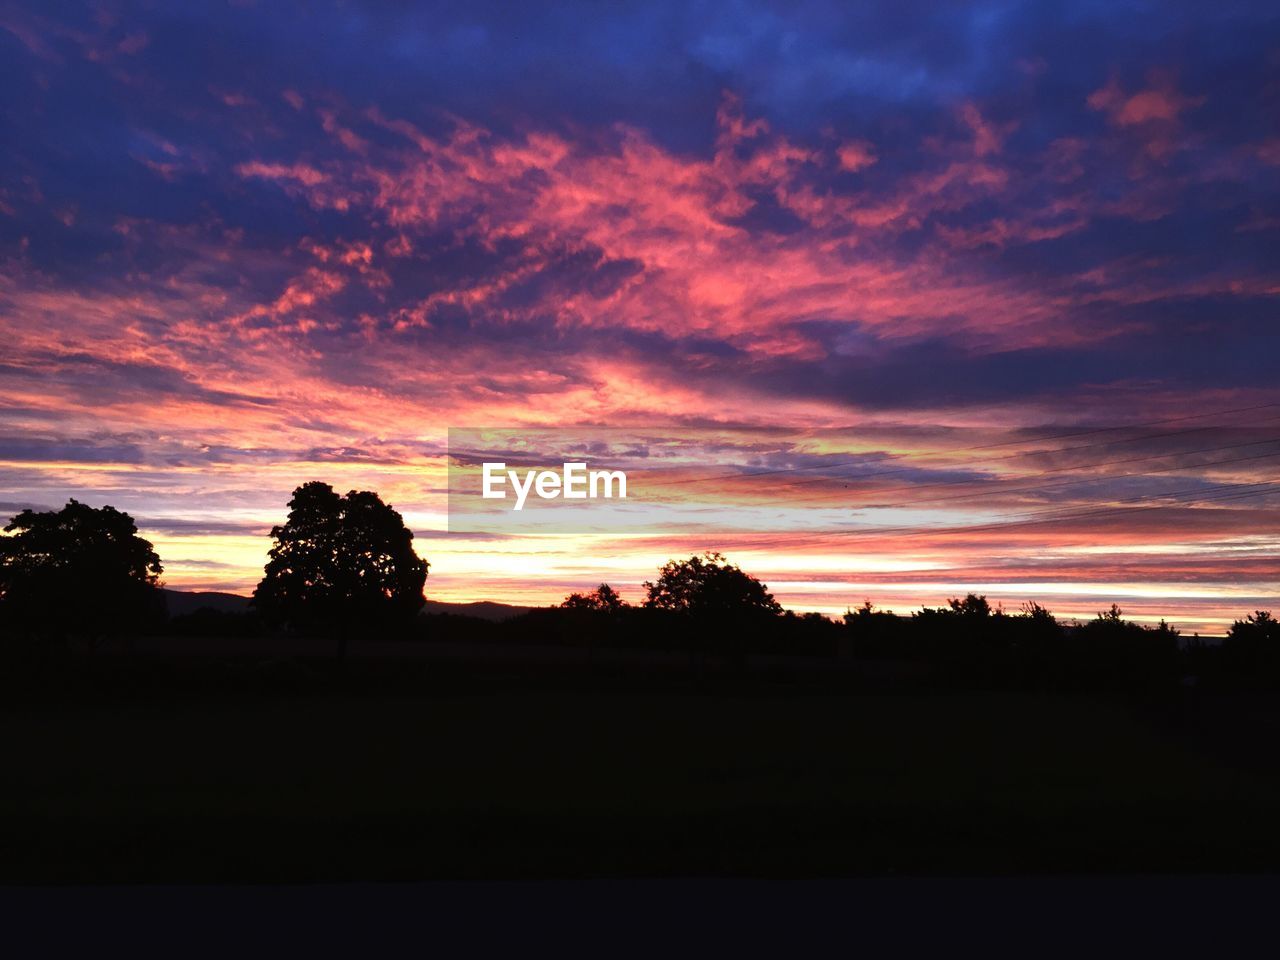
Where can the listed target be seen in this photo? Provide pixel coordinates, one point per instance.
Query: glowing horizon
(957, 269)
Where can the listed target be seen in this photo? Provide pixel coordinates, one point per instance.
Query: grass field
(517, 777)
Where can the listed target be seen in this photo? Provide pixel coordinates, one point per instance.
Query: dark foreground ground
(152, 768)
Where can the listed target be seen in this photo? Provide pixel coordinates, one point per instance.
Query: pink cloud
(1160, 102)
(279, 325)
(988, 138)
(134, 43)
(1269, 152)
(1153, 113)
(856, 155)
(300, 172)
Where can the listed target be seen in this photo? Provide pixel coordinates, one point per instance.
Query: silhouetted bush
(603, 599)
(1109, 652)
(1252, 649)
(342, 565)
(872, 634)
(969, 641)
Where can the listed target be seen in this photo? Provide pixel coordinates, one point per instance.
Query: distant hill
(183, 602)
(483, 609)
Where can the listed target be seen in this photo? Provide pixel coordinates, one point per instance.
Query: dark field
(138, 768)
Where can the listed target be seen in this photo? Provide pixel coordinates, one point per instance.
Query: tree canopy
(340, 561)
(709, 585)
(78, 571)
(1254, 643)
(603, 599)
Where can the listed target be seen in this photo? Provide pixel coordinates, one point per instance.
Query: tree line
(345, 566)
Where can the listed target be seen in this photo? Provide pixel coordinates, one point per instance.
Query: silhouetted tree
(603, 599)
(1259, 626)
(965, 637)
(1033, 612)
(341, 562)
(1112, 619)
(875, 634)
(79, 571)
(971, 606)
(1110, 650)
(595, 615)
(722, 607)
(709, 585)
(1253, 644)
(866, 610)
(812, 634)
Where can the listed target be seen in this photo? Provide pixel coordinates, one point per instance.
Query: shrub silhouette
(709, 585)
(972, 606)
(969, 641)
(875, 634)
(1253, 645)
(1111, 651)
(338, 563)
(717, 608)
(603, 599)
(344, 562)
(966, 636)
(78, 572)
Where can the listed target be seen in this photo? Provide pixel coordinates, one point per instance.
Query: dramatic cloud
(244, 247)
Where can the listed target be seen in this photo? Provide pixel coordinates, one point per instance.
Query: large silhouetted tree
(77, 572)
(721, 605)
(709, 585)
(339, 563)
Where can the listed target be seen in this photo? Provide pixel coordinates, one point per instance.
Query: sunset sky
(998, 280)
